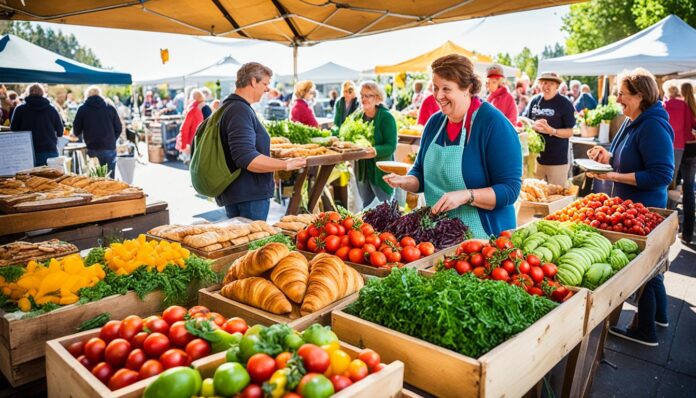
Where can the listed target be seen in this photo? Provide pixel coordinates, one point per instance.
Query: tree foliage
(56, 41)
(597, 23)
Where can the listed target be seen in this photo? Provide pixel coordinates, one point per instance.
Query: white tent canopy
(223, 70)
(667, 47)
(324, 74)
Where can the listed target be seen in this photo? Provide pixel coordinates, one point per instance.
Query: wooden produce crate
(528, 210)
(61, 367)
(211, 298)
(663, 236)
(510, 369)
(22, 341)
(63, 217)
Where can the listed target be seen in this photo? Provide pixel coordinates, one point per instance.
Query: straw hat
(552, 76)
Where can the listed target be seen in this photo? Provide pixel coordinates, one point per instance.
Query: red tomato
(537, 274)
(157, 324)
(198, 309)
(315, 359)
(533, 260)
(503, 242)
(156, 344)
(303, 235)
(426, 248)
(117, 352)
(522, 280)
(535, 291)
(197, 348)
(356, 256)
(313, 244)
(312, 231)
(332, 243)
(489, 251)
(331, 228)
(151, 367)
(476, 260)
(373, 240)
(345, 241)
(85, 362)
(252, 391)
(138, 339)
(506, 234)
(407, 241)
(387, 236)
(77, 348)
(103, 371)
(235, 325)
(282, 359)
(523, 267)
(174, 357)
(462, 267)
(302, 246)
(367, 229)
(394, 257)
(217, 319)
(370, 357)
(471, 246)
(348, 223)
(136, 359)
(341, 230)
(559, 293)
(499, 274)
(342, 253)
(109, 331)
(549, 269)
(94, 349)
(261, 367)
(410, 253)
(379, 367)
(509, 266)
(122, 378)
(369, 248)
(479, 272)
(357, 238)
(340, 382)
(178, 335)
(378, 259)
(130, 326)
(173, 314)
(357, 370)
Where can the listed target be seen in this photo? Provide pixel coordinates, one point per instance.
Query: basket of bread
(540, 191)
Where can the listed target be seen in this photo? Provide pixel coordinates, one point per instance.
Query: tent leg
(294, 63)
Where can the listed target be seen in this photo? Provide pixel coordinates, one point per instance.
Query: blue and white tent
(24, 62)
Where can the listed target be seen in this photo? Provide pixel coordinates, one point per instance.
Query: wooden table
(320, 167)
(409, 139)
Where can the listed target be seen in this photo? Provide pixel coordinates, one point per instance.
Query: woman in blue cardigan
(643, 158)
(470, 161)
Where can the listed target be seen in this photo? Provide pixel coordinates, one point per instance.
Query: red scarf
(453, 129)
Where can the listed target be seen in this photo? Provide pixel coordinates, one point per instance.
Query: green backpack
(210, 173)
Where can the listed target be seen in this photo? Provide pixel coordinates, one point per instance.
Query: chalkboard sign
(16, 152)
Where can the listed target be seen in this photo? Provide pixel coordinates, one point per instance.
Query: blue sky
(137, 52)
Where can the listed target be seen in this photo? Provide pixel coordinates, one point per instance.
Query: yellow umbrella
(422, 62)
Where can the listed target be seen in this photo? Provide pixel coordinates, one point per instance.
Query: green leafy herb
(272, 339)
(11, 273)
(279, 238)
(356, 130)
(458, 312)
(94, 256)
(297, 133)
(96, 322)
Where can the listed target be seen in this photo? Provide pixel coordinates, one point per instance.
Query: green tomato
(232, 354)
(230, 378)
(319, 335)
(318, 387)
(225, 340)
(293, 342)
(176, 382)
(256, 329)
(208, 388)
(247, 347)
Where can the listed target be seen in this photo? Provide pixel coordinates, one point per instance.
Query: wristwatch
(471, 197)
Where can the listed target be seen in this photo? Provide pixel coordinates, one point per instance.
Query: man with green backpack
(231, 156)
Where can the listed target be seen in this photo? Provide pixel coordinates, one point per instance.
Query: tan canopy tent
(291, 22)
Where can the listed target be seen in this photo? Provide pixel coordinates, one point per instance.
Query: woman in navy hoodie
(643, 159)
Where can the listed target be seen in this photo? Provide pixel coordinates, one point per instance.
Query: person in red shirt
(681, 120)
(301, 111)
(499, 96)
(428, 106)
(193, 117)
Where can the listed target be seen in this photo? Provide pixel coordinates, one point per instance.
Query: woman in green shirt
(345, 105)
(370, 182)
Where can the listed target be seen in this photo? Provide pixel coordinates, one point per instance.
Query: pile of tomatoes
(134, 348)
(611, 214)
(500, 260)
(353, 240)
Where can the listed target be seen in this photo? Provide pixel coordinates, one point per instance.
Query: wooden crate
(54, 218)
(510, 369)
(528, 210)
(211, 298)
(22, 341)
(663, 236)
(62, 367)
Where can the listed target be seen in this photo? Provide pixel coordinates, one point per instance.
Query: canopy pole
(294, 63)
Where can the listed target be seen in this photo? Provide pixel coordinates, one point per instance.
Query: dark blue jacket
(644, 147)
(37, 115)
(585, 101)
(99, 123)
(246, 138)
(492, 158)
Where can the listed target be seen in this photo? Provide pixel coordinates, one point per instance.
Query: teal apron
(443, 173)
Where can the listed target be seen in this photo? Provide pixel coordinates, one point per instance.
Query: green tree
(56, 41)
(527, 62)
(504, 59)
(557, 50)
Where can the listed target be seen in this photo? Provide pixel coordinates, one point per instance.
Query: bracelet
(471, 197)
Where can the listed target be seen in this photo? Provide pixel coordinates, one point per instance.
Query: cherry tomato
(313, 231)
(537, 274)
(174, 357)
(173, 314)
(341, 230)
(500, 274)
(369, 248)
(339, 361)
(235, 325)
(480, 272)
(342, 253)
(94, 349)
(378, 259)
(535, 291)
(357, 238)
(138, 339)
(340, 382)
(217, 319)
(357, 370)
(522, 280)
(533, 260)
(85, 362)
(462, 267)
(331, 229)
(348, 223)
(151, 367)
(156, 344)
(77, 348)
(302, 236)
(503, 243)
(394, 257)
(332, 243)
(370, 357)
(197, 348)
(261, 367)
(345, 241)
(282, 359)
(373, 240)
(122, 378)
(178, 335)
(117, 352)
(426, 248)
(489, 251)
(157, 324)
(549, 269)
(130, 326)
(367, 229)
(356, 256)
(313, 244)
(103, 371)
(523, 267)
(471, 246)
(506, 234)
(559, 293)
(410, 253)
(315, 359)
(109, 331)
(252, 391)
(476, 260)
(136, 359)
(387, 236)
(508, 266)
(407, 241)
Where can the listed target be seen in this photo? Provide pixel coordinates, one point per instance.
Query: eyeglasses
(367, 96)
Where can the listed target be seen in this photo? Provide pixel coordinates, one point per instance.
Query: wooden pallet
(22, 341)
(510, 369)
(55, 218)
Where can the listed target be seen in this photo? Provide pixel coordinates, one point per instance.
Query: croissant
(233, 271)
(291, 275)
(354, 281)
(325, 285)
(257, 292)
(264, 259)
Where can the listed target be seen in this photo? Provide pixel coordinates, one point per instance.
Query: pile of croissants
(272, 277)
